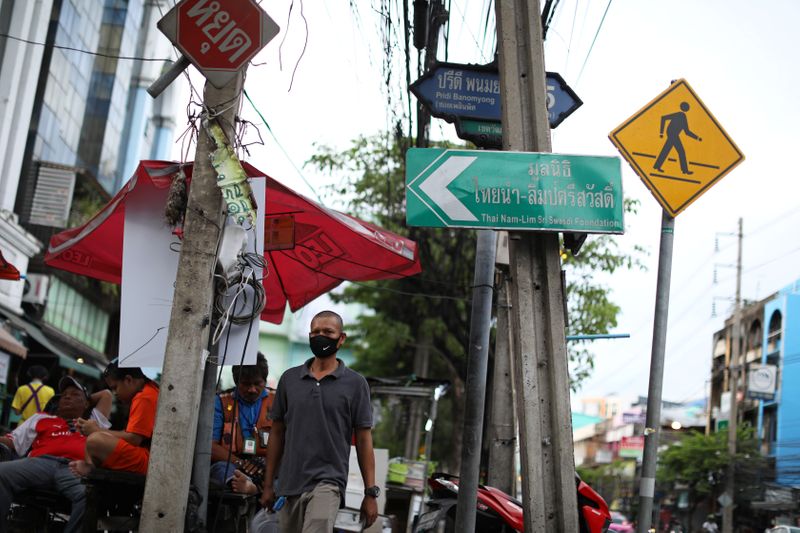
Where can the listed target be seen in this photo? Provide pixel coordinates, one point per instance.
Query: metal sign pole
(653, 422)
(477, 365)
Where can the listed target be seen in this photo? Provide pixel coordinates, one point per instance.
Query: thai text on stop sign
(217, 25)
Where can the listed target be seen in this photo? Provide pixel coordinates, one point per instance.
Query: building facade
(769, 364)
(74, 122)
(778, 420)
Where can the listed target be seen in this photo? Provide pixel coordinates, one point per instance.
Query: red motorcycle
(497, 512)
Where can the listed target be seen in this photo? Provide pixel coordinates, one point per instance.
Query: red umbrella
(7, 270)
(309, 250)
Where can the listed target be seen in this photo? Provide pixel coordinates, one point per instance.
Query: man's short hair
(330, 314)
(114, 371)
(38, 372)
(260, 370)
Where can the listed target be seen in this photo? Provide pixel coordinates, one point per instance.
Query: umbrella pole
(173, 444)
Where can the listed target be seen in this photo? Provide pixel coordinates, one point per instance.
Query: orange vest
(230, 412)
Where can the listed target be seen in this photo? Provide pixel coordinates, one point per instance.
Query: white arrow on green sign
(513, 190)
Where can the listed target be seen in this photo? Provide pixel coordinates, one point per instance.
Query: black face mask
(322, 346)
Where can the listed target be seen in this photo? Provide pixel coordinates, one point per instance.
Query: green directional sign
(483, 133)
(513, 191)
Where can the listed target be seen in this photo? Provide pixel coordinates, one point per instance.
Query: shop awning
(310, 249)
(11, 345)
(64, 360)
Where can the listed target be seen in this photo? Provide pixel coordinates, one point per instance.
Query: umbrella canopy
(309, 249)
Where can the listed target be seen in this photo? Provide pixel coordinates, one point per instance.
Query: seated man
(241, 428)
(51, 442)
(127, 450)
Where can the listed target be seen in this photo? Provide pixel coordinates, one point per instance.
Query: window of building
(753, 344)
(69, 312)
(774, 333)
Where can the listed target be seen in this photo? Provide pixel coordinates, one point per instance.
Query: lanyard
(249, 423)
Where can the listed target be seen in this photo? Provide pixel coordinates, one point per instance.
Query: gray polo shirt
(320, 417)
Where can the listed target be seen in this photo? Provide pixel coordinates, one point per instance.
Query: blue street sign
(454, 92)
(561, 99)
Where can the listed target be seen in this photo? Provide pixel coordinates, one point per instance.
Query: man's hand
(8, 442)
(369, 510)
(86, 427)
(267, 499)
(242, 484)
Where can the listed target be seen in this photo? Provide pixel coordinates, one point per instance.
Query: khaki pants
(313, 511)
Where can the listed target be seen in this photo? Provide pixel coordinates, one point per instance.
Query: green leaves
(701, 461)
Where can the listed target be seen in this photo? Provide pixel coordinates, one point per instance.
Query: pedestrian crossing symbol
(677, 147)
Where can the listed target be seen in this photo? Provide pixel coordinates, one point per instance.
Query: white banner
(149, 268)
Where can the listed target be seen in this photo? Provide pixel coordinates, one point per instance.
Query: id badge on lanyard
(249, 446)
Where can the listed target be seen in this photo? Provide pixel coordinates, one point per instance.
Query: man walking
(319, 406)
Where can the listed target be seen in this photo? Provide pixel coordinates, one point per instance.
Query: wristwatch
(372, 491)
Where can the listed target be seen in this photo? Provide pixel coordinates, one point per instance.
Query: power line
(591, 47)
(765, 263)
(72, 49)
(571, 33)
(474, 38)
(779, 218)
(379, 287)
(684, 314)
(285, 153)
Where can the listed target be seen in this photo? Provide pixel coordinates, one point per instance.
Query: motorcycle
(497, 512)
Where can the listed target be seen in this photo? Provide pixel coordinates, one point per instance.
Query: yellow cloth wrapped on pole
(231, 177)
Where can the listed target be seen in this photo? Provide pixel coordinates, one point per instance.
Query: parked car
(620, 523)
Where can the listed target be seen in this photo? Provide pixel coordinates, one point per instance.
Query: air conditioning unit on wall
(36, 289)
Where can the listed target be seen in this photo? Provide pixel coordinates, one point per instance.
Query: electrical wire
(469, 31)
(378, 287)
(87, 52)
(489, 14)
(285, 153)
(591, 47)
(234, 422)
(305, 44)
(779, 218)
(571, 34)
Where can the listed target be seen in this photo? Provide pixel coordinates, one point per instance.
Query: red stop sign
(218, 36)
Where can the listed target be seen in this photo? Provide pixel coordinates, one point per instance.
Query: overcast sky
(738, 56)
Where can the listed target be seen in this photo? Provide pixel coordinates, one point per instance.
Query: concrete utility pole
(502, 430)
(736, 340)
(173, 446)
(537, 297)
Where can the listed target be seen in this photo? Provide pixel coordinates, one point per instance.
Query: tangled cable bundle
(252, 301)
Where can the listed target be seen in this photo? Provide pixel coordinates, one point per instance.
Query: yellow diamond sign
(677, 147)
